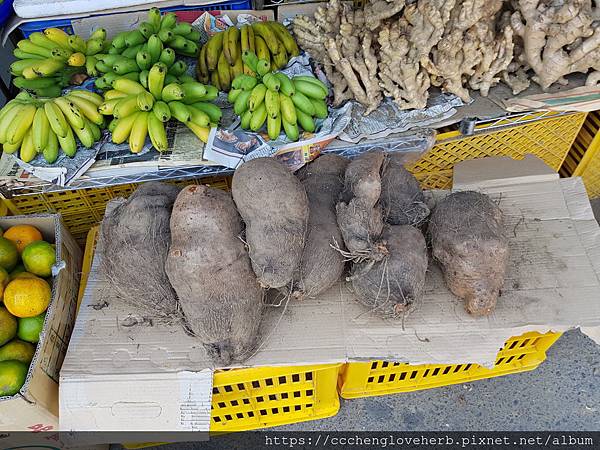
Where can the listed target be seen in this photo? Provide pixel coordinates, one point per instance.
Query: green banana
(68, 143)
(134, 38)
(302, 103)
(274, 126)
(143, 60)
(198, 117)
(131, 52)
(56, 118)
(157, 133)
(162, 111)
(178, 68)
(147, 29)
(233, 94)
(167, 57)
(182, 29)
(306, 122)
(285, 84)
(271, 82)
(50, 151)
(310, 89)
(291, 130)
(144, 78)
(213, 111)
(193, 92)
(245, 120)
(241, 102)
(263, 67)
(320, 108)
(179, 111)
(168, 21)
(250, 59)
(40, 129)
(125, 66)
(287, 108)
(257, 96)
(156, 79)
(172, 92)
(154, 17)
(272, 103)
(155, 48)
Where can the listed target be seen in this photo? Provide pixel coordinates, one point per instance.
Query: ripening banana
(157, 133)
(71, 112)
(223, 72)
(280, 59)
(99, 33)
(129, 86)
(46, 68)
(237, 68)
(88, 108)
(41, 40)
(77, 44)
(287, 108)
(58, 36)
(107, 108)
(198, 117)
(126, 107)
(27, 152)
(139, 132)
(50, 151)
(231, 45)
(68, 143)
(291, 130)
(272, 103)
(259, 115)
(145, 101)
(274, 126)
(162, 111)
(263, 67)
(113, 93)
(122, 129)
(85, 135)
(262, 51)
(20, 123)
(40, 129)
(8, 113)
(172, 92)
(156, 80)
(257, 96)
(56, 118)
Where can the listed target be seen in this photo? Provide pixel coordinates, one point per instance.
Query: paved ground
(596, 208)
(562, 394)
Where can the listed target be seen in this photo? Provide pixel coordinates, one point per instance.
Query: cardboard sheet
(553, 283)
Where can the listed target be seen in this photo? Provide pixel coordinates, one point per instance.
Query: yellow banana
(27, 152)
(238, 67)
(57, 119)
(231, 44)
(58, 36)
(264, 31)
(68, 143)
(139, 131)
(122, 129)
(76, 60)
(40, 129)
(274, 126)
(198, 117)
(200, 132)
(244, 38)
(20, 124)
(251, 42)
(70, 111)
(156, 80)
(11, 148)
(157, 133)
(202, 68)
(88, 95)
(89, 109)
(126, 107)
(224, 75)
(213, 50)
(285, 37)
(47, 67)
(262, 51)
(108, 107)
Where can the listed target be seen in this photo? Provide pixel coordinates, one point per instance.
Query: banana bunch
(31, 126)
(46, 61)
(220, 59)
(276, 99)
(144, 110)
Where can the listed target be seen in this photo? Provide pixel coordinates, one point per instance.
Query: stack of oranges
(26, 262)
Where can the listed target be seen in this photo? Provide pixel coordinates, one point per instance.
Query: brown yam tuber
(401, 198)
(209, 267)
(359, 214)
(394, 285)
(134, 241)
(322, 265)
(468, 240)
(274, 206)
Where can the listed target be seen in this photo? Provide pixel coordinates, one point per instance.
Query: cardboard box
(142, 377)
(35, 408)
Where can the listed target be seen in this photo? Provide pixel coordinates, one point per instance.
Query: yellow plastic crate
(584, 158)
(367, 379)
(549, 138)
(257, 397)
(81, 209)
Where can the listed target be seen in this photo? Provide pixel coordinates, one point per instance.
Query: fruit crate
(549, 136)
(583, 159)
(367, 379)
(258, 397)
(66, 24)
(81, 209)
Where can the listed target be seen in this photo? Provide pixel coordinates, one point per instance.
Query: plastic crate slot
(260, 399)
(509, 360)
(521, 356)
(512, 345)
(239, 415)
(413, 375)
(222, 405)
(467, 367)
(234, 403)
(309, 405)
(370, 379)
(246, 401)
(295, 378)
(524, 343)
(309, 376)
(272, 397)
(228, 417)
(284, 395)
(396, 364)
(269, 381)
(286, 409)
(216, 419)
(241, 387)
(263, 412)
(380, 378)
(457, 368)
(374, 365)
(392, 377)
(426, 373)
(282, 380)
(274, 410)
(297, 408)
(384, 364)
(499, 361)
(250, 414)
(228, 388)
(309, 393)
(297, 394)
(402, 376)
(255, 384)
(447, 369)
(215, 390)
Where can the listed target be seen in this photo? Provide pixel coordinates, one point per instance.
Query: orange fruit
(38, 258)
(24, 275)
(9, 255)
(23, 235)
(27, 297)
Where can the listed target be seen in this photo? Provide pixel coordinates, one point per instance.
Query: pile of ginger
(389, 48)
